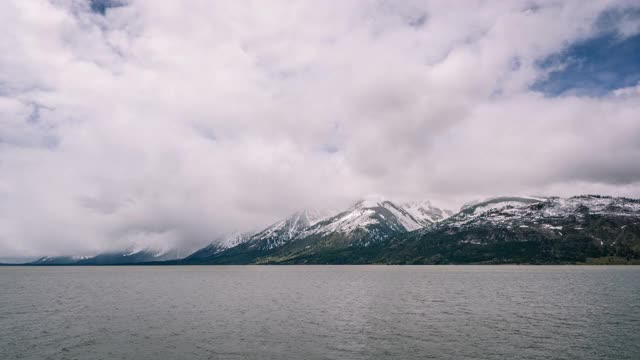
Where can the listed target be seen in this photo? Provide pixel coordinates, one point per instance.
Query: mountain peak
(379, 213)
(307, 217)
(479, 206)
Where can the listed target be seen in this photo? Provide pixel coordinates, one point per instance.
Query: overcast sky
(164, 123)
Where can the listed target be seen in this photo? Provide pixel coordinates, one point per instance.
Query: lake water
(320, 312)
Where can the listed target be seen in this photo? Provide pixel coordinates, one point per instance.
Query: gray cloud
(163, 124)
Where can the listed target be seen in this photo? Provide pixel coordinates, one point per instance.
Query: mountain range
(526, 230)
(110, 258)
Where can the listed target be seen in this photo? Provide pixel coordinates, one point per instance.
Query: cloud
(162, 124)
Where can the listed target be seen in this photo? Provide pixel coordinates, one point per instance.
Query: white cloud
(169, 122)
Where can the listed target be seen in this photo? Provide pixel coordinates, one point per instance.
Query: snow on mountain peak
(546, 212)
(479, 207)
(377, 217)
(399, 217)
(425, 211)
(287, 229)
(233, 239)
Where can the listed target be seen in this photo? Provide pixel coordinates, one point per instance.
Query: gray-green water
(320, 312)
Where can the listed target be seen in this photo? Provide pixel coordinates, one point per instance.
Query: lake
(320, 312)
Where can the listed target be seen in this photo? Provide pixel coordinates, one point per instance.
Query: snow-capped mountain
(307, 232)
(247, 248)
(529, 230)
(380, 218)
(112, 258)
(286, 230)
(545, 230)
(498, 230)
(220, 244)
(478, 207)
(510, 211)
(370, 219)
(425, 211)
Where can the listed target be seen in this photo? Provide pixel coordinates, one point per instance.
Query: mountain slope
(498, 203)
(263, 242)
(219, 245)
(285, 230)
(136, 257)
(57, 260)
(425, 211)
(552, 230)
(304, 238)
(111, 258)
(374, 219)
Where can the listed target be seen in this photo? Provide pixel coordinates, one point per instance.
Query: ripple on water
(320, 312)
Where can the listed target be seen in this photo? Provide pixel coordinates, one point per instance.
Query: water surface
(320, 312)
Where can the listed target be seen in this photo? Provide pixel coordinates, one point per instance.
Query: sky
(146, 123)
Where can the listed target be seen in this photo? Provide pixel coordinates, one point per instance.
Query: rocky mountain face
(425, 210)
(526, 230)
(285, 230)
(307, 235)
(539, 230)
(219, 245)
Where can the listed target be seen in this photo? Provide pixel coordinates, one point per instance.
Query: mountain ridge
(308, 231)
(507, 229)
